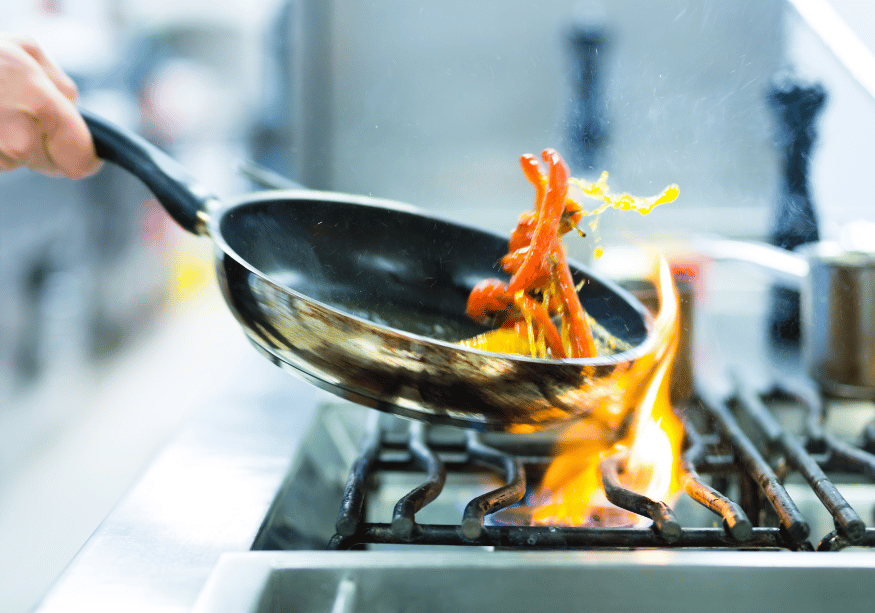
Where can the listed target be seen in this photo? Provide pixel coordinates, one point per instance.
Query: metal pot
(838, 315)
(837, 285)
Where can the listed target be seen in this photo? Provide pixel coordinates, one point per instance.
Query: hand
(39, 125)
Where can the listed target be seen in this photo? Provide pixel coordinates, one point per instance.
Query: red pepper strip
(582, 343)
(536, 267)
(489, 300)
(540, 319)
(525, 229)
(511, 262)
(532, 170)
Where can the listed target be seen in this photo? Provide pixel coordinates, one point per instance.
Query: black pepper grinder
(587, 122)
(796, 105)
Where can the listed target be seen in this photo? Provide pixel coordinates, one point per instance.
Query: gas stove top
(247, 475)
(413, 484)
(462, 548)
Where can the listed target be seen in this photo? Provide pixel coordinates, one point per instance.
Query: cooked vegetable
(541, 287)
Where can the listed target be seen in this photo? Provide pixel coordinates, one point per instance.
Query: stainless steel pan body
(366, 298)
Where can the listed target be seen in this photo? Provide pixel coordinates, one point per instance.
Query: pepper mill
(795, 105)
(587, 121)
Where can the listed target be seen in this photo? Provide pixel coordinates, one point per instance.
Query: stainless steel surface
(837, 306)
(206, 494)
(468, 581)
(432, 103)
(838, 315)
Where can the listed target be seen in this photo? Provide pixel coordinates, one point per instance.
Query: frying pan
(366, 298)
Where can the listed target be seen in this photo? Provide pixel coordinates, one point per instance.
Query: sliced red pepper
(490, 301)
(525, 229)
(536, 266)
(541, 284)
(580, 335)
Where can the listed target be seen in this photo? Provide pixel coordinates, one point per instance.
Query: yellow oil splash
(623, 202)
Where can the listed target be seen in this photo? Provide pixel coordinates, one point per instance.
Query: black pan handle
(181, 195)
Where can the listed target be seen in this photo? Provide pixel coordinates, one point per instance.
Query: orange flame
(571, 492)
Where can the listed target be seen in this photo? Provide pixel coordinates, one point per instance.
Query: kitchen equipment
(837, 283)
(250, 474)
(365, 298)
(557, 581)
(388, 501)
(796, 105)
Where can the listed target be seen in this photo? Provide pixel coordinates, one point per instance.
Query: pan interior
(396, 268)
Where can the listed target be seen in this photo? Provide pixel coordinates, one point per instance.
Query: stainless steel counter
(207, 494)
(523, 581)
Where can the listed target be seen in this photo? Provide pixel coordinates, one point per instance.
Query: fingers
(66, 141)
(39, 125)
(21, 143)
(57, 76)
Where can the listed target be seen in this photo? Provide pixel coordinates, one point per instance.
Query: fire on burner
(638, 454)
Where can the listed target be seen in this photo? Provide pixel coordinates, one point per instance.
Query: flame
(571, 492)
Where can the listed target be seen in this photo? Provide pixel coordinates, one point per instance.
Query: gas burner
(740, 462)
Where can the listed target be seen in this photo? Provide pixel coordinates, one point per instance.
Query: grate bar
(403, 521)
(664, 522)
(735, 521)
(503, 497)
(788, 513)
(350, 514)
(844, 455)
(834, 541)
(544, 537)
(846, 519)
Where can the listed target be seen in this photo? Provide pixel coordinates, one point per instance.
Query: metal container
(838, 319)
(837, 285)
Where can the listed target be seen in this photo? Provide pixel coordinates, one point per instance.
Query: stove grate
(717, 450)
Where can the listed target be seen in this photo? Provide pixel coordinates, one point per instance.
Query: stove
(283, 497)
(428, 518)
(751, 483)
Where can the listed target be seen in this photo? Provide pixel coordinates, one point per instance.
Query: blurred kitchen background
(113, 328)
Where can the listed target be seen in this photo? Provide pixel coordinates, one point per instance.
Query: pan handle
(181, 195)
(785, 266)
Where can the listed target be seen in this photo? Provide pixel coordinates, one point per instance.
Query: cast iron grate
(720, 455)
